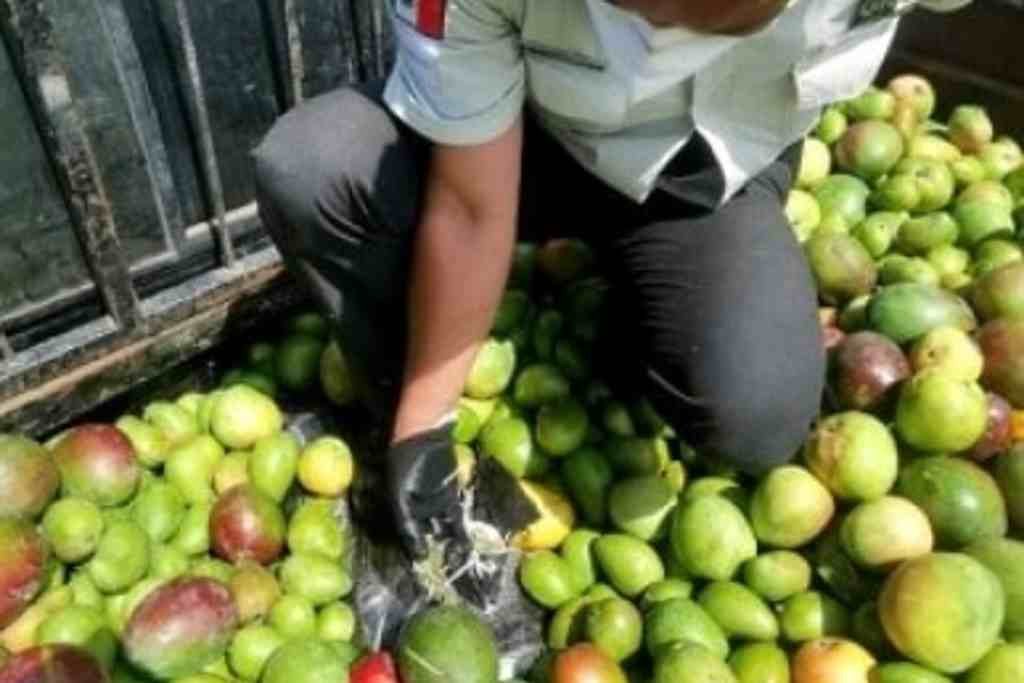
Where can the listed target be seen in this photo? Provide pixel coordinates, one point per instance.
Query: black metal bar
(296, 61)
(28, 29)
(6, 352)
(61, 379)
(145, 120)
(201, 121)
(65, 298)
(272, 13)
(381, 31)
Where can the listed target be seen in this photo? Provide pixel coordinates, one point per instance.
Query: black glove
(423, 489)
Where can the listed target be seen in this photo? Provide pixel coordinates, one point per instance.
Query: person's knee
(322, 158)
(752, 424)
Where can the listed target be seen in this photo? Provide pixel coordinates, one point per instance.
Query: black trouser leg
(338, 182)
(717, 308)
(721, 311)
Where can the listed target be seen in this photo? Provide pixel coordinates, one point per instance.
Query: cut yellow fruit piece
(557, 519)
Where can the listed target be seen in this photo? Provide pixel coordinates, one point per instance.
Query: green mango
(832, 125)
(548, 579)
(308, 322)
(878, 231)
(842, 268)
(175, 423)
(760, 663)
(167, 562)
(150, 443)
(666, 589)
(336, 621)
(866, 628)
(122, 557)
(739, 611)
(905, 672)
(567, 624)
(561, 426)
(193, 537)
(84, 592)
(725, 487)
(629, 564)
(492, 369)
(681, 620)
(614, 626)
(844, 195)
(777, 575)
(509, 441)
(1003, 664)
(962, 500)
(1009, 474)
(315, 577)
(983, 220)
(908, 269)
(251, 648)
(293, 616)
(467, 425)
(578, 552)
(948, 260)
(212, 568)
(546, 330)
(159, 509)
(811, 615)
(273, 464)
(921, 233)
(638, 456)
(314, 529)
(588, 478)
(691, 663)
(903, 312)
(83, 626)
(512, 312)
(1005, 558)
(711, 537)
(573, 358)
(641, 506)
(190, 467)
(539, 384)
(73, 528)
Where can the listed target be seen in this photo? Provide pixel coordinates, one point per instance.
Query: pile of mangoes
(199, 543)
(189, 543)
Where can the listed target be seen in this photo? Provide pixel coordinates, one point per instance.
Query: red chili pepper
(376, 667)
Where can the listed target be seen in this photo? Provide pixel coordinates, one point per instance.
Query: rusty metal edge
(200, 315)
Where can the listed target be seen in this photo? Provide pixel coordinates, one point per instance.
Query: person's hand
(423, 489)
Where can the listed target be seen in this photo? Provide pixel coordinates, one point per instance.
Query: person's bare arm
(461, 260)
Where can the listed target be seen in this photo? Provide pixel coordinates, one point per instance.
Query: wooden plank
(29, 30)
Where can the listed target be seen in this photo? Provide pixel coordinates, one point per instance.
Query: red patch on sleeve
(430, 17)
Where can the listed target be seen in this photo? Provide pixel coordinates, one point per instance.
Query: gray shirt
(622, 96)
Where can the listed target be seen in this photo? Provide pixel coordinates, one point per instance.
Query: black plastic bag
(481, 576)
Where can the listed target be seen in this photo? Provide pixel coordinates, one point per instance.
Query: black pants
(716, 310)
